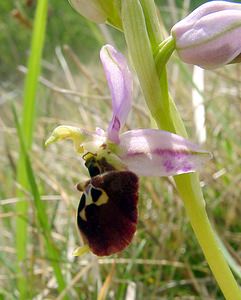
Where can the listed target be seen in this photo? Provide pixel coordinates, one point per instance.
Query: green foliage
(65, 26)
(41, 212)
(26, 138)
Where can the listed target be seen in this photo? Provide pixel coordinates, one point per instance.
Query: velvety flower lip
(120, 84)
(109, 227)
(210, 35)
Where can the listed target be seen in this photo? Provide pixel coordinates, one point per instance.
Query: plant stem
(191, 194)
(139, 36)
(152, 23)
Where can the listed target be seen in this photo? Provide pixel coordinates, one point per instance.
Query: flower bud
(210, 36)
(89, 9)
(98, 11)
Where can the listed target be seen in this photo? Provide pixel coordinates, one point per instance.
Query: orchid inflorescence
(107, 212)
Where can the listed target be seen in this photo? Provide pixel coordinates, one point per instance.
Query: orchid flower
(107, 212)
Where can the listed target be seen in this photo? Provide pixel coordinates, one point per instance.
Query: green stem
(141, 51)
(139, 37)
(152, 22)
(191, 194)
(164, 53)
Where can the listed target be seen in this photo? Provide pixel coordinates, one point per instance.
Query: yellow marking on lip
(83, 215)
(103, 199)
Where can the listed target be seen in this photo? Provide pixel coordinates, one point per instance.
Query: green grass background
(164, 261)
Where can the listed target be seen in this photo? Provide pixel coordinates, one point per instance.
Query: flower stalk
(140, 36)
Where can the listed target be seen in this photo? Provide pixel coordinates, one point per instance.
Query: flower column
(141, 29)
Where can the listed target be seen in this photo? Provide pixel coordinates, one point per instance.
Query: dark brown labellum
(107, 212)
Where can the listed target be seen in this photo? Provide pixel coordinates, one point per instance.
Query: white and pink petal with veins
(152, 152)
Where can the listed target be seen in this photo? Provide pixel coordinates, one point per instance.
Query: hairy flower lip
(115, 220)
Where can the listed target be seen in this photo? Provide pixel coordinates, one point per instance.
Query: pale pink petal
(151, 152)
(120, 84)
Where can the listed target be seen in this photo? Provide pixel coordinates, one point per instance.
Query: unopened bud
(99, 11)
(210, 36)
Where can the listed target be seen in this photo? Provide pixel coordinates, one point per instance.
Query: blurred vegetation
(65, 26)
(164, 261)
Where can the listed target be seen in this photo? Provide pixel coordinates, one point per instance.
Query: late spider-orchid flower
(107, 212)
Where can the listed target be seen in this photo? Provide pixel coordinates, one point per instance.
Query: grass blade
(42, 215)
(28, 119)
